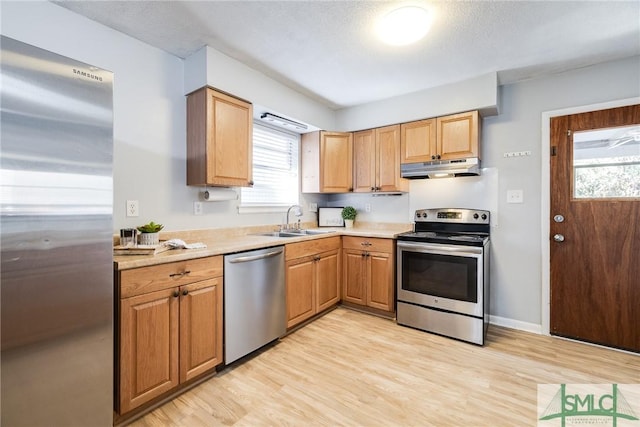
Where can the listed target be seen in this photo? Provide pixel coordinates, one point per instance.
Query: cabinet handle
(438, 156)
(176, 293)
(433, 157)
(373, 188)
(365, 243)
(184, 273)
(185, 292)
(350, 188)
(364, 254)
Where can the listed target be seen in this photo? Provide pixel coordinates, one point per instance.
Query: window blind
(275, 169)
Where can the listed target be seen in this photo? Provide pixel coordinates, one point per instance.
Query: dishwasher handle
(255, 257)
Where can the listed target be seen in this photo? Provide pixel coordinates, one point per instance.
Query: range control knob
(484, 216)
(424, 214)
(475, 216)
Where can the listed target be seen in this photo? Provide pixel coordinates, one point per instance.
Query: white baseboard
(515, 324)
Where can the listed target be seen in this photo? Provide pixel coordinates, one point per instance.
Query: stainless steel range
(443, 273)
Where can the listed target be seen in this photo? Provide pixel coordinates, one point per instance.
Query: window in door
(275, 170)
(606, 163)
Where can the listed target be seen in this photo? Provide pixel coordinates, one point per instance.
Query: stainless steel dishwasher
(254, 300)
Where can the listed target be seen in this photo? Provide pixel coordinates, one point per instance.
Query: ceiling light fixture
(281, 121)
(404, 26)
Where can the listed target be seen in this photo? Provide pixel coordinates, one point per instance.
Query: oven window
(444, 276)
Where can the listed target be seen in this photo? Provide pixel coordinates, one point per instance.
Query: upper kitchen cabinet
(327, 162)
(458, 136)
(444, 138)
(417, 141)
(219, 139)
(376, 155)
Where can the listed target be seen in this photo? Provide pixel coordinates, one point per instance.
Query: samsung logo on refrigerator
(87, 75)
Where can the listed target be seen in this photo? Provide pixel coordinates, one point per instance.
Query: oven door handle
(425, 247)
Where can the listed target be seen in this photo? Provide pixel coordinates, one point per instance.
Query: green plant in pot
(349, 214)
(149, 233)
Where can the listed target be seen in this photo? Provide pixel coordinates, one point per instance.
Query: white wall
(211, 67)
(479, 93)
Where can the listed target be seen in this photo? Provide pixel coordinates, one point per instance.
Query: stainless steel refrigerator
(56, 224)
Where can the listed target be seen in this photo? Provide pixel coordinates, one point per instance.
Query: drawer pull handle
(184, 273)
(176, 294)
(365, 244)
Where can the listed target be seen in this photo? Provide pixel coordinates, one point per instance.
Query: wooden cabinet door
(148, 347)
(327, 280)
(219, 139)
(388, 160)
(300, 275)
(336, 164)
(380, 285)
(418, 141)
(458, 136)
(229, 147)
(364, 161)
(200, 327)
(354, 276)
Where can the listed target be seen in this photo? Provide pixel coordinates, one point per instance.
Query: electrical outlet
(132, 208)
(515, 196)
(367, 207)
(313, 207)
(197, 208)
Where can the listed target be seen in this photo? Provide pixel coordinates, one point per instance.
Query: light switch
(515, 196)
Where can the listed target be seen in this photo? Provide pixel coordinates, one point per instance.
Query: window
(606, 163)
(275, 169)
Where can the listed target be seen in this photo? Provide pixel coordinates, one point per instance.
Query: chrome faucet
(298, 213)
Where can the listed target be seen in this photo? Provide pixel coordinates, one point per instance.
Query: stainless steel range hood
(441, 168)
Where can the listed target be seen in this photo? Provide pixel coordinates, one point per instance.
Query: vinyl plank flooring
(353, 369)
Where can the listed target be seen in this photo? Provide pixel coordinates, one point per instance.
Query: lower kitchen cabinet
(169, 328)
(368, 266)
(312, 278)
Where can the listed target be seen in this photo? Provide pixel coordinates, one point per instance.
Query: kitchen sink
(294, 233)
(277, 234)
(309, 232)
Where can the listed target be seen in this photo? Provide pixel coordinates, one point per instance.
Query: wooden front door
(595, 227)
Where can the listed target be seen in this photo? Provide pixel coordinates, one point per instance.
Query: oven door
(440, 276)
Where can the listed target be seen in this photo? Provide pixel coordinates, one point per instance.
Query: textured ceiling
(328, 50)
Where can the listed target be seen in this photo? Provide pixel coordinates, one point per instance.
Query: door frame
(545, 196)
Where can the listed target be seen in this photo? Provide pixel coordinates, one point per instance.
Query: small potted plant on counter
(349, 215)
(149, 233)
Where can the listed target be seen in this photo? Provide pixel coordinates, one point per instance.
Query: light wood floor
(354, 369)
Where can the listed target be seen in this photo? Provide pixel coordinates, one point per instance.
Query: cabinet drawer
(367, 244)
(312, 247)
(139, 281)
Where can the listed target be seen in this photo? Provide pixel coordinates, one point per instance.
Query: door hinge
(568, 132)
(553, 150)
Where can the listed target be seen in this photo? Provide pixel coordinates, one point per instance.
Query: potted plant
(149, 233)
(349, 215)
